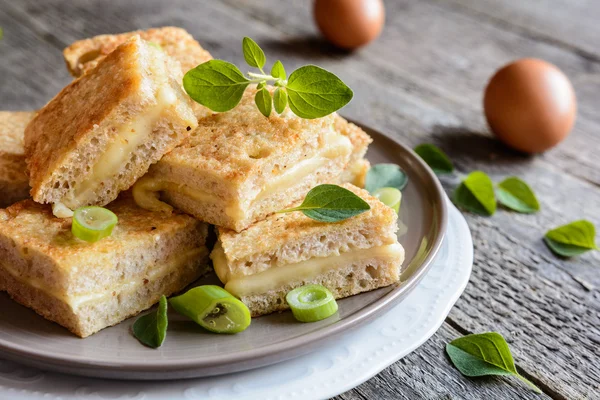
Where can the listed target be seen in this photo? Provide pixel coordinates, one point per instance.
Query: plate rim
(255, 358)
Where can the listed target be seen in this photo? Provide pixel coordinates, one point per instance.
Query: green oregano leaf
(515, 194)
(476, 194)
(314, 92)
(280, 100)
(1, 33)
(385, 175)
(572, 239)
(484, 354)
(277, 70)
(151, 329)
(261, 85)
(263, 101)
(216, 84)
(435, 158)
(253, 54)
(331, 203)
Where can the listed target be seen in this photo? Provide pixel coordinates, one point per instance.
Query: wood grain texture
(421, 81)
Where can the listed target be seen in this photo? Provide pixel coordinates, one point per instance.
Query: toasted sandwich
(86, 287)
(104, 130)
(358, 165)
(264, 262)
(83, 55)
(238, 167)
(14, 182)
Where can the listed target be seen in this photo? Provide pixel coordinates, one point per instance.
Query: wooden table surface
(421, 81)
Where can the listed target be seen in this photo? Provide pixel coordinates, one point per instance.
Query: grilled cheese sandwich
(238, 167)
(88, 286)
(103, 131)
(261, 264)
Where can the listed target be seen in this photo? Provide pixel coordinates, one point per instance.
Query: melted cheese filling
(308, 270)
(118, 153)
(77, 300)
(145, 189)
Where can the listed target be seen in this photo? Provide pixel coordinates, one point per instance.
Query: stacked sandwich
(124, 135)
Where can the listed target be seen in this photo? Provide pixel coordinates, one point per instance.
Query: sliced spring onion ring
(93, 223)
(213, 308)
(389, 196)
(311, 303)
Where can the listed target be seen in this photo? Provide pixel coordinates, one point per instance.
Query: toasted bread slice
(261, 264)
(86, 287)
(102, 132)
(83, 55)
(14, 182)
(239, 166)
(358, 166)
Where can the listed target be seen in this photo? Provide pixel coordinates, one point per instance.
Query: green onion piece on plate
(93, 223)
(389, 196)
(213, 308)
(311, 303)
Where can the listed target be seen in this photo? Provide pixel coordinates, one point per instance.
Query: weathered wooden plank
(572, 24)
(416, 93)
(426, 374)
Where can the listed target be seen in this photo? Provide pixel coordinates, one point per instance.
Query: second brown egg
(349, 23)
(530, 105)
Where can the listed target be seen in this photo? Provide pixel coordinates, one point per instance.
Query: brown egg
(530, 105)
(349, 23)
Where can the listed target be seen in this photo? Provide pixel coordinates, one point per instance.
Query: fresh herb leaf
(1, 33)
(261, 85)
(572, 239)
(476, 194)
(515, 194)
(331, 203)
(314, 92)
(277, 70)
(263, 101)
(385, 175)
(280, 100)
(435, 158)
(484, 354)
(253, 54)
(151, 329)
(216, 84)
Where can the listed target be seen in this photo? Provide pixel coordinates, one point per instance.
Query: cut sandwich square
(104, 130)
(261, 264)
(86, 287)
(238, 167)
(14, 181)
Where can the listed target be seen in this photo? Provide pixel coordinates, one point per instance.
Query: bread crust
(84, 55)
(14, 181)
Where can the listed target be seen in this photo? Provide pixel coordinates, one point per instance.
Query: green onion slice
(389, 196)
(311, 303)
(213, 308)
(93, 223)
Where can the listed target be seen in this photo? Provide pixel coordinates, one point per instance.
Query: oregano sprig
(310, 91)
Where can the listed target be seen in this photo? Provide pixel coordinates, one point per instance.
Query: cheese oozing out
(129, 137)
(276, 277)
(146, 196)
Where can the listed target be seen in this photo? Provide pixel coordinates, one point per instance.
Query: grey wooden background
(421, 81)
